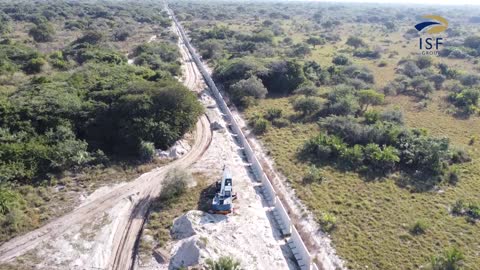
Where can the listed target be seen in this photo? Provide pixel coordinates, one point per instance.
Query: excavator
(223, 201)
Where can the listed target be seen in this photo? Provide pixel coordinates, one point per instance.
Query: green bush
(307, 90)
(451, 259)
(175, 184)
(328, 222)
(273, 113)
(146, 151)
(280, 122)
(223, 263)
(260, 126)
(466, 100)
(341, 60)
(371, 116)
(419, 227)
(34, 65)
(42, 32)
(251, 87)
(313, 175)
(307, 105)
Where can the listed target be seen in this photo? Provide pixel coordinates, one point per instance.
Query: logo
(436, 24)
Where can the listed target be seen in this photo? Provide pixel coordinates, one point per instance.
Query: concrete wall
(281, 215)
(300, 250)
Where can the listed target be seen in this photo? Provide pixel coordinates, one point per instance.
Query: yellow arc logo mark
(437, 28)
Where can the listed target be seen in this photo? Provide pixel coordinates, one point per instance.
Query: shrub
(459, 155)
(424, 62)
(419, 227)
(251, 87)
(91, 37)
(467, 100)
(328, 222)
(146, 151)
(452, 259)
(273, 113)
(313, 175)
(381, 159)
(281, 122)
(223, 263)
(307, 105)
(355, 42)
(452, 176)
(260, 126)
(438, 80)
(307, 90)
(382, 64)
(342, 101)
(34, 65)
(458, 207)
(369, 97)
(42, 32)
(371, 116)
(315, 41)
(352, 157)
(9, 199)
(175, 184)
(395, 116)
(367, 53)
(341, 60)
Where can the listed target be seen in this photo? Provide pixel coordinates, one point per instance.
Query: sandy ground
(102, 232)
(249, 234)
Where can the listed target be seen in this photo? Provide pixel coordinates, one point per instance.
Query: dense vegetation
(379, 141)
(70, 101)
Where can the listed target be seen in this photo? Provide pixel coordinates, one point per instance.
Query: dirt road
(140, 192)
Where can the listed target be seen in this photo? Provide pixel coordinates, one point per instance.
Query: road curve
(141, 191)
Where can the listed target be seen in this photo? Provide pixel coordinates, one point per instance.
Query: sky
(425, 2)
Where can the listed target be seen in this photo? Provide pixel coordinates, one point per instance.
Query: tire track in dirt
(141, 191)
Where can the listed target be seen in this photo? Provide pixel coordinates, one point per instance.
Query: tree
(252, 87)
(355, 42)
(315, 41)
(307, 105)
(369, 97)
(284, 76)
(42, 32)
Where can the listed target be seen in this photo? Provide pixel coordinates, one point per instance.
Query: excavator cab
(223, 201)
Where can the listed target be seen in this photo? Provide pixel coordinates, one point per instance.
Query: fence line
(296, 243)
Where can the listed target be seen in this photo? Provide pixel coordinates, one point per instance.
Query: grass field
(374, 217)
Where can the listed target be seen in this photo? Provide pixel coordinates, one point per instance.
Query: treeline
(84, 104)
(247, 79)
(382, 146)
